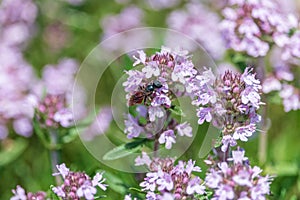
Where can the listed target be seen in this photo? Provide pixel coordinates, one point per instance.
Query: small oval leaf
(120, 152)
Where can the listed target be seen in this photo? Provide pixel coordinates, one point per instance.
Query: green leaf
(137, 190)
(70, 136)
(218, 141)
(176, 110)
(128, 62)
(101, 196)
(122, 151)
(204, 196)
(13, 150)
(136, 143)
(274, 98)
(283, 169)
(115, 183)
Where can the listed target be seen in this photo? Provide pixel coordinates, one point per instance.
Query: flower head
(251, 26)
(230, 103)
(164, 76)
(237, 180)
(20, 194)
(166, 179)
(78, 184)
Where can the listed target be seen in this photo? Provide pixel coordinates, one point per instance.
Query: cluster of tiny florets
(164, 76)
(78, 184)
(236, 179)
(53, 112)
(167, 179)
(252, 26)
(20, 194)
(230, 102)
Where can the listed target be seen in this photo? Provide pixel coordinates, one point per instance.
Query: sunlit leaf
(12, 150)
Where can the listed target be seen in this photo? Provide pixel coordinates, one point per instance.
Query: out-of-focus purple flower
(162, 4)
(16, 21)
(237, 180)
(16, 80)
(57, 36)
(100, 125)
(291, 97)
(20, 194)
(59, 79)
(54, 109)
(184, 129)
(154, 4)
(251, 26)
(169, 181)
(23, 126)
(291, 48)
(143, 160)
(271, 84)
(230, 103)
(78, 184)
(155, 112)
(129, 18)
(133, 129)
(200, 24)
(281, 79)
(3, 132)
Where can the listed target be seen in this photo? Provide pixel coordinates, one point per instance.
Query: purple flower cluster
(169, 181)
(129, 18)
(163, 77)
(78, 185)
(52, 112)
(251, 26)
(173, 69)
(154, 4)
(99, 125)
(291, 46)
(200, 24)
(17, 18)
(237, 179)
(282, 80)
(20, 194)
(290, 95)
(16, 102)
(16, 75)
(230, 103)
(54, 109)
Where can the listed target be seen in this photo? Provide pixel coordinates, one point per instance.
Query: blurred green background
(30, 167)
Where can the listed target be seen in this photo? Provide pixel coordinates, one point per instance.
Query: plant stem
(156, 146)
(54, 155)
